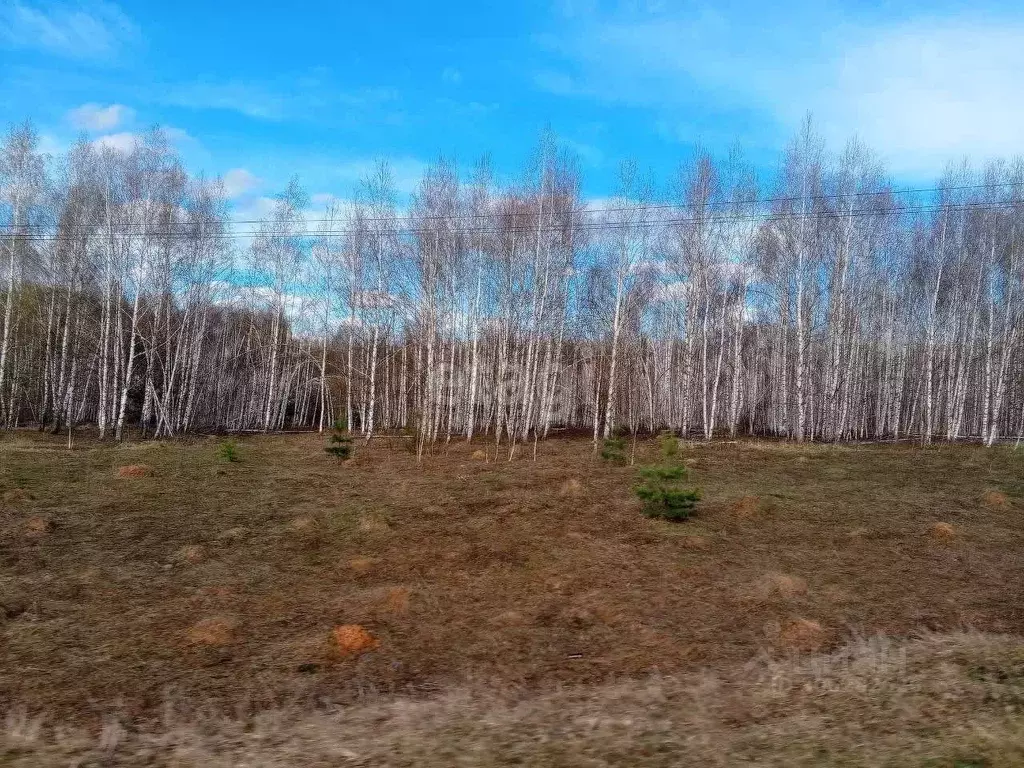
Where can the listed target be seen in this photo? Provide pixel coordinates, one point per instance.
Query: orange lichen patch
(191, 553)
(353, 639)
(479, 455)
(994, 499)
(694, 542)
(362, 565)
(943, 532)
(132, 471)
(779, 585)
(397, 600)
(802, 635)
(37, 526)
(213, 631)
(746, 506)
(571, 487)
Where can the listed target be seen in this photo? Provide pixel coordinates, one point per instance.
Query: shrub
(662, 490)
(669, 445)
(340, 445)
(613, 450)
(228, 451)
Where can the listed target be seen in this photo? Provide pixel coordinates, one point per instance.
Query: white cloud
(921, 92)
(91, 30)
(254, 209)
(924, 94)
(94, 117)
(239, 181)
(125, 141)
(451, 75)
(120, 142)
(178, 135)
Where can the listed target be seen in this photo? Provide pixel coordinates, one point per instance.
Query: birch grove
(819, 302)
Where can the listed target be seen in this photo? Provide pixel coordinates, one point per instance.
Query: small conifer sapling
(340, 444)
(228, 451)
(664, 493)
(613, 450)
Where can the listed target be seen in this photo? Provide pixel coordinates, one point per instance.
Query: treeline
(819, 303)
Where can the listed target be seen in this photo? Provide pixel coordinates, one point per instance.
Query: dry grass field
(162, 605)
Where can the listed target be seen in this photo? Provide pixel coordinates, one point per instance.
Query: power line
(594, 226)
(601, 211)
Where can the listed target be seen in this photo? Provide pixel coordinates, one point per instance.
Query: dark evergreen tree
(613, 450)
(340, 445)
(663, 491)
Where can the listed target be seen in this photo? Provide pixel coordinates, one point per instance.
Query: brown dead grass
(134, 471)
(17, 496)
(779, 585)
(238, 533)
(802, 635)
(995, 499)
(189, 554)
(571, 487)
(942, 701)
(397, 600)
(694, 542)
(302, 523)
(352, 640)
(362, 565)
(214, 631)
(38, 526)
(943, 532)
(746, 506)
(373, 523)
(509, 580)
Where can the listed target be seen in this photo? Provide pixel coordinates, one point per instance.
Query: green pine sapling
(340, 445)
(228, 451)
(613, 450)
(662, 487)
(663, 492)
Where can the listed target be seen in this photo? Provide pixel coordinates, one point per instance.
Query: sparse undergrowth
(219, 586)
(662, 486)
(945, 701)
(613, 450)
(228, 451)
(662, 490)
(340, 444)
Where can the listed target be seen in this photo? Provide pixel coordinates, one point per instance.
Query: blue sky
(256, 92)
